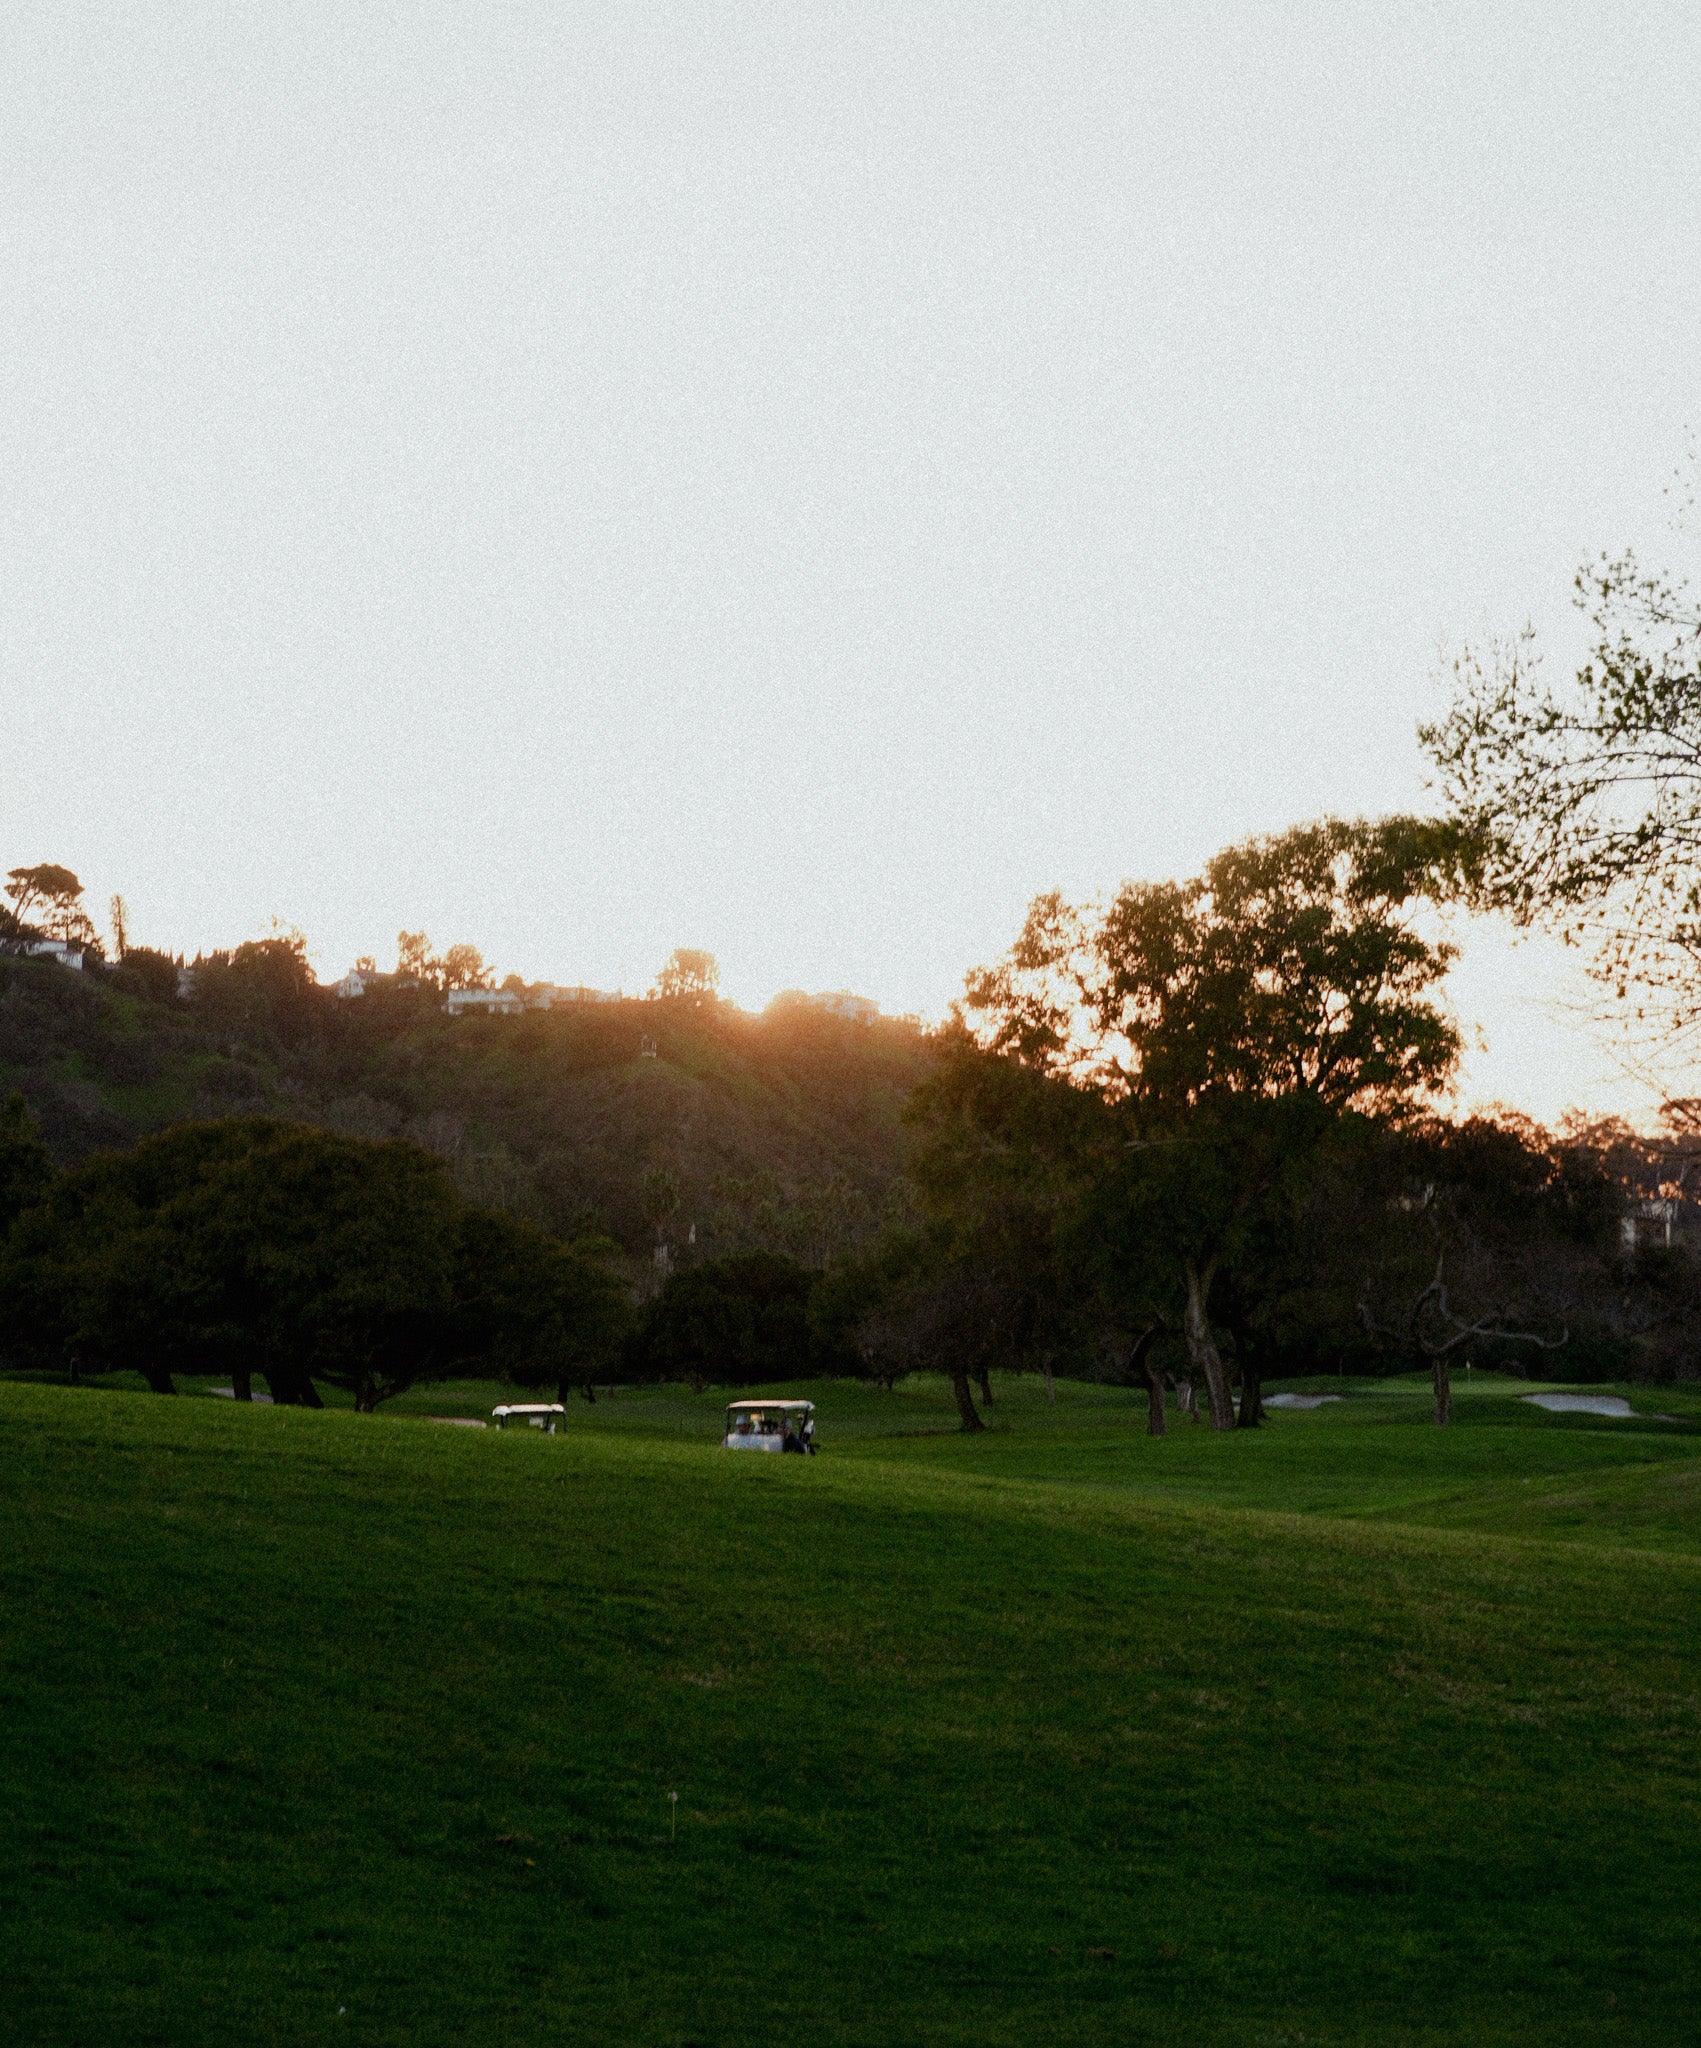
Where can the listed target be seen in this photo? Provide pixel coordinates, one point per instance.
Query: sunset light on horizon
(593, 485)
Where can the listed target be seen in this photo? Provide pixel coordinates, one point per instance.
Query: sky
(800, 480)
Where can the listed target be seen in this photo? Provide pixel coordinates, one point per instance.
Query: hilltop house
(507, 1001)
(56, 949)
(493, 1002)
(1648, 1221)
(544, 995)
(841, 1003)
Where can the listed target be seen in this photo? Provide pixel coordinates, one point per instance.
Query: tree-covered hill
(635, 1116)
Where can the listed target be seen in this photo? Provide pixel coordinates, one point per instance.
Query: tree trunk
(1202, 1345)
(965, 1401)
(985, 1378)
(1141, 1361)
(1441, 1375)
(158, 1378)
(242, 1383)
(293, 1389)
(1050, 1383)
(1251, 1394)
(1155, 1421)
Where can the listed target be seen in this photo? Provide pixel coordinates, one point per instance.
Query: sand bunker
(1300, 1400)
(1582, 1404)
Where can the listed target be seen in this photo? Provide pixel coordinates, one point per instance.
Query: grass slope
(322, 1727)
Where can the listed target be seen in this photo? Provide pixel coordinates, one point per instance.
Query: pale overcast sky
(799, 480)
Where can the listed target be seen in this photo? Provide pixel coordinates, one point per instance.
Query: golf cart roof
(731, 1405)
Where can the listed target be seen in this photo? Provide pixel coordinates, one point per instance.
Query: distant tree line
(257, 1248)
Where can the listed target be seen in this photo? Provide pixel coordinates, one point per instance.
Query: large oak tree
(1229, 1023)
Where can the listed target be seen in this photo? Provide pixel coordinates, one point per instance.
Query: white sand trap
(1300, 1400)
(1581, 1404)
(229, 1394)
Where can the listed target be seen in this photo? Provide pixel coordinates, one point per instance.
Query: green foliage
(741, 1321)
(265, 990)
(658, 1197)
(1229, 1025)
(530, 1309)
(857, 1308)
(259, 1246)
(26, 1171)
(150, 975)
(550, 1115)
(462, 966)
(1291, 965)
(246, 1246)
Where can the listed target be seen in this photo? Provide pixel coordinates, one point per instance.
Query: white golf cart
(770, 1426)
(542, 1415)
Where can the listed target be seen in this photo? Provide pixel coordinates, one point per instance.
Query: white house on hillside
(503, 1002)
(497, 1002)
(56, 949)
(841, 1003)
(547, 996)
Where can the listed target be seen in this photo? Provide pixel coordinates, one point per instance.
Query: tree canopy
(1228, 1023)
(738, 1321)
(255, 1246)
(1581, 804)
(49, 898)
(689, 976)
(26, 1172)
(462, 966)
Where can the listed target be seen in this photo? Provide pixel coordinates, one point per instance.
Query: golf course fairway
(322, 1727)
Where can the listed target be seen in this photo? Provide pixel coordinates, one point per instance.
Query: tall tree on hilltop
(690, 976)
(1229, 1023)
(262, 986)
(462, 966)
(51, 898)
(414, 959)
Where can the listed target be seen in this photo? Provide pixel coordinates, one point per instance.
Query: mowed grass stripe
(277, 1683)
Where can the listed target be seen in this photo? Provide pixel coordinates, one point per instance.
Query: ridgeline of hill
(780, 1130)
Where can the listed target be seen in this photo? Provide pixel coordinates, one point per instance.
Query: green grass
(320, 1727)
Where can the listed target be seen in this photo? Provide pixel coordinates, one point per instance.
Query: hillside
(780, 1129)
(1058, 1734)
